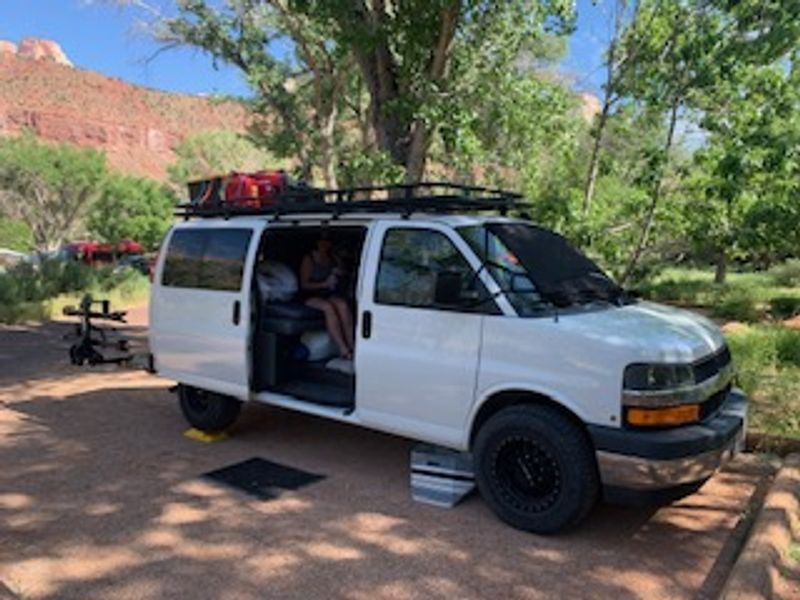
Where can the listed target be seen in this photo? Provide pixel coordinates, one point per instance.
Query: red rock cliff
(136, 127)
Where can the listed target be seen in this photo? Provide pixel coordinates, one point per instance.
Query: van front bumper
(660, 466)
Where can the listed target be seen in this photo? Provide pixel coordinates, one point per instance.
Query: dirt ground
(100, 497)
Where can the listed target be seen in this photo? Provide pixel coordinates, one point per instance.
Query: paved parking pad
(101, 496)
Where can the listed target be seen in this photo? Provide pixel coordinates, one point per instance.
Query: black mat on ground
(262, 478)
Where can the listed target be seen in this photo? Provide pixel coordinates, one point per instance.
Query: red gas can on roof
(255, 190)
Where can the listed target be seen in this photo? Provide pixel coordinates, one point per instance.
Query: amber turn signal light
(661, 417)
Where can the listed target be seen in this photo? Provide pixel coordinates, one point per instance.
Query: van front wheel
(208, 411)
(535, 468)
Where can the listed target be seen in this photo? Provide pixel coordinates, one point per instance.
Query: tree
(413, 56)
(132, 208)
(325, 69)
(298, 93)
(15, 235)
(614, 67)
(748, 171)
(48, 187)
(211, 153)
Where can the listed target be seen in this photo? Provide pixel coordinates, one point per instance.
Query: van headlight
(660, 395)
(657, 377)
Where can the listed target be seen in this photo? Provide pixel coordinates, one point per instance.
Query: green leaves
(49, 187)
(134, 209)
(397, 71)
(210, 153)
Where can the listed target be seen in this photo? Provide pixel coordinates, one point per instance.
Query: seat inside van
(284, 328)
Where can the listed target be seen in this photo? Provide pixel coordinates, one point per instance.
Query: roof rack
(429, 196)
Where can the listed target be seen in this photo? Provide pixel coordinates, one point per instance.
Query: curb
(774, 444)
(5, 593)
(756, 573)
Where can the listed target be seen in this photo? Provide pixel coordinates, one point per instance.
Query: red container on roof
(254, 190)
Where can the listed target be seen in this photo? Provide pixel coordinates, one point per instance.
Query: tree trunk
(405, 139)
(654, 199)
(439, 61)
(417, 153)
(328, 160)
(594, 159)
(721, 270)
(609, 97)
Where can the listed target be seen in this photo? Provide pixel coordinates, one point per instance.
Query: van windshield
(538, 268)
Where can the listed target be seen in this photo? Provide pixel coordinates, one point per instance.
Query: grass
(39, 294)
(794, 552)
(766, 351)
(45, 310)
(748, 297)
(767, 359)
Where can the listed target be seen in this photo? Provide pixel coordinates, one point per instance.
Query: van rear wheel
(535, 468)
(208, 411)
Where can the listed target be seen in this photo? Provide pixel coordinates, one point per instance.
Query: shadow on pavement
(100, 497)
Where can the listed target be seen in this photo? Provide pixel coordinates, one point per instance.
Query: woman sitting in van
(320, 272)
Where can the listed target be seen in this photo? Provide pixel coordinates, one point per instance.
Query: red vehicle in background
(92, 253)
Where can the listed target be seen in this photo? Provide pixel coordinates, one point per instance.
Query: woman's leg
(346, 319)
(332, 323)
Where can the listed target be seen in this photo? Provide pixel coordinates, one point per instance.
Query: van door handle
(366, 324)
(237, 312)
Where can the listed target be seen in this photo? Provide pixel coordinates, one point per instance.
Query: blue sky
(104, 38)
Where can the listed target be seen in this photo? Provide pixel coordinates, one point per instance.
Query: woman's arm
(305, 277)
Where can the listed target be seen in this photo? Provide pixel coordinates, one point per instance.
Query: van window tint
(411, 268)
(211, 259)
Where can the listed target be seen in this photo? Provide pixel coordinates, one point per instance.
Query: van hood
(650, 332)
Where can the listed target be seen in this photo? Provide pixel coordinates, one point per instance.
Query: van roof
(367, 203)
(309, 219)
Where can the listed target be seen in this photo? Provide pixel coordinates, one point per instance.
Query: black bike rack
(436, 197)
(92, 338)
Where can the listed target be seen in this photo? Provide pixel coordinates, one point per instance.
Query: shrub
(30, 292)
(9, 289)
(15, 235)
(754, 354)
(784, 307)
(132, 208)
(738, 305)
(787, 346)
(786, 274)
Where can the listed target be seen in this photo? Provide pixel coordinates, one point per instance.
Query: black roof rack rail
(428, 196)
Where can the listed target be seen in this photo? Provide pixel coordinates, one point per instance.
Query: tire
(208, 411)
(75, 355)
(536, 468)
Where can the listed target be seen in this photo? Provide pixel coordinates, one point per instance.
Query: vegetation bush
(15, 235)
(132, 208)
(787, 346)
(784, 307)
(767, 360)
(738, 305)
(754, 352)
(744, 296)
(38, 291)
(787, 273)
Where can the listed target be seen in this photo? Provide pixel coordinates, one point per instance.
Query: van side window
(211, 259)
(422, 268)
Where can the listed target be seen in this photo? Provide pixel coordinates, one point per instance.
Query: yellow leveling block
(202, 436)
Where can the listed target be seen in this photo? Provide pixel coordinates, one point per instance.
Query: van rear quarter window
(211, 259)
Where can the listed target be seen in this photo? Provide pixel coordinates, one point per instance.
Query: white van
(474, 332)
